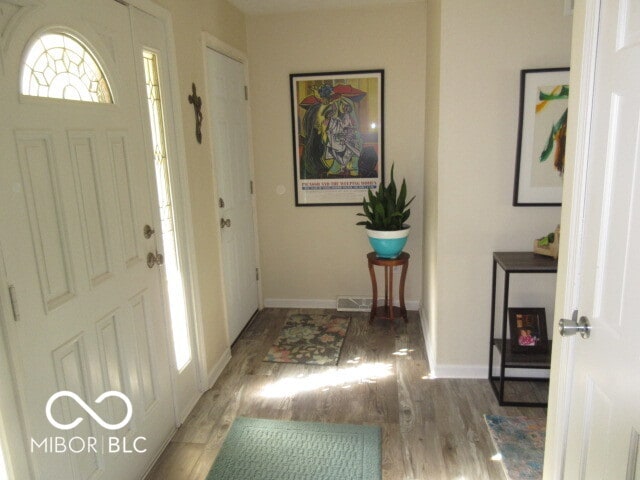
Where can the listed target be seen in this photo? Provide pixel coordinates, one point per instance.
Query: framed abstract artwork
(338, 134)
(542, 129)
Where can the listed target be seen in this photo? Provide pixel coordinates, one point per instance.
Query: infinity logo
(89, 410)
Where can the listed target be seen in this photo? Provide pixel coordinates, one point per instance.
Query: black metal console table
(515, 262)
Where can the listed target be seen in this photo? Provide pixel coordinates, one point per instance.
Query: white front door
(229, 127)
(75, 194)
(599, 389)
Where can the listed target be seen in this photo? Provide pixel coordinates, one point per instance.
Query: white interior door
(75, 193)
(229, 126)
(601, 400)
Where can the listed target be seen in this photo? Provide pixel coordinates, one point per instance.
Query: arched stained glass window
(58, 66)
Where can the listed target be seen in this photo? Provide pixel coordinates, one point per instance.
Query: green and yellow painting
(550, 134)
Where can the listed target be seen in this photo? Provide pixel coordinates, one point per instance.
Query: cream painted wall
(318, 253)
(191, 18)
(483, 47)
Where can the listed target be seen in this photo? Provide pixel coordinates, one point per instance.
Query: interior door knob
(225, 223)
(570, 327)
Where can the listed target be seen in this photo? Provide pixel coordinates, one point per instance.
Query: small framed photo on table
(528, 328)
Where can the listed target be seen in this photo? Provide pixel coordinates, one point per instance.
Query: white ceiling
(261, 7)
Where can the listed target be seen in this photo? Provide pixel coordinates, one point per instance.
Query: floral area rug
(520, 443)
(312, 339)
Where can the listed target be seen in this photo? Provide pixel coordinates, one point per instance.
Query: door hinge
(14, 303)
(257, 274)
(246, 92)
(251, 186)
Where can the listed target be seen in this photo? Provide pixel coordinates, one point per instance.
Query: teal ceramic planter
(388, 244)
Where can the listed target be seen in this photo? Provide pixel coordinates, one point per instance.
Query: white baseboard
(459, 371)
(319, 303)
(481, 371)
(298, 303)
(523, 372)
(215, 372)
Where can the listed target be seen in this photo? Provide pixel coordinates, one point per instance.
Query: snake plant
(387, 208)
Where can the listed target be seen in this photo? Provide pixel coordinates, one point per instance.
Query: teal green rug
(520, 443)
(258, 449)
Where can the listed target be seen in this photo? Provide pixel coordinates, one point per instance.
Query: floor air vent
(354, 304)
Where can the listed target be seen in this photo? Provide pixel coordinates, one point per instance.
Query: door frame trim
(182, 199)
(13, 440)
(211, 42)
(582, 78)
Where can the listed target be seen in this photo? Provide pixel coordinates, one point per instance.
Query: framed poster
(528, 328)
(338, 131)
(542, 129)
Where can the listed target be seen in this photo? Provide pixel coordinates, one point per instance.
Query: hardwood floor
(432, 428)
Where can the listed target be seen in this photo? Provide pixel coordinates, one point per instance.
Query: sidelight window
(175, 284)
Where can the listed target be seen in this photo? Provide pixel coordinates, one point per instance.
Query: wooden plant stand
(388, 311)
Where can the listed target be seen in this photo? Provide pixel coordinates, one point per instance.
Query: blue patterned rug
(520, 442)
(258, 449)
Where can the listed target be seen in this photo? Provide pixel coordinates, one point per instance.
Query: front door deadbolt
(147, 231)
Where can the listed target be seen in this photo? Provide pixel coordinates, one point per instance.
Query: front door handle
(569, 328)
(155, 259)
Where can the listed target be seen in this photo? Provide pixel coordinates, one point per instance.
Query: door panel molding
(113, 363)
(47, 217)
(98, 253)
(141, 322)
(126, 211)
(71, 369)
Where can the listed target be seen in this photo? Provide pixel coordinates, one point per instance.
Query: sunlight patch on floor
(403, 352)
(341, 378)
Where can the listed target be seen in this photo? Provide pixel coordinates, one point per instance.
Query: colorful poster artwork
(337, 134)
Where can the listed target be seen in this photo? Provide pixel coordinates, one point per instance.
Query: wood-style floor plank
(431, 428)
